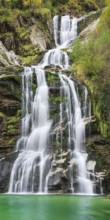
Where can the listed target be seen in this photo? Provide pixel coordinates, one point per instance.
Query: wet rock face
(99, 152)
(38, 38)
(27, 37)
(58, 181)
(6, 164)
(8, 58)
(106, 182)
(10, 106)
(10, 114)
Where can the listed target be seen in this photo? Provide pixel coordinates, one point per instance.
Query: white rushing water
(75, 121)
(67, 32)
(56, 57)
(63, 35)
(34, 139)
(30, 171)
(76, 136)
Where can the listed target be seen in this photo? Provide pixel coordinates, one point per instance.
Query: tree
(32, 3)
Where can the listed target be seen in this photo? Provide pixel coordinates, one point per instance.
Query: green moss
(57, 99)
(6, 15)
(11, 129)
(13, 120)
(12, 123)
(1, 115)
(29, 50)
(44, 13)
(51, 77)
(29, 59)
(11, 141)
(6, 35)
(77, 7)
(9, 15)
(23, 33)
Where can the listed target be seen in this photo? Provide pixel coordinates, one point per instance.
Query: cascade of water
(56, 57)
(30, 171)
(63, 37)
(76, 136)
(56, 29)
(33, 142)
(66, 32)
(85, 110)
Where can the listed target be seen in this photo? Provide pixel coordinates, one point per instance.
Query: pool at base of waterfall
(54, 207)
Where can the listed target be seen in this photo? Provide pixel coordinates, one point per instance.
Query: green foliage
(32, 3)
(5, 15)
(12, 141)
(43, 13)
(105, 20)
(45, 8)
(77, 6)
(12, 3)
(51, 77)
(29, 59)
(12, 120)
(49, 5)
(3, 117)
(91, 63)
(23, 33)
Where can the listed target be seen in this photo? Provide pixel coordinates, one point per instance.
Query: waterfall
(63, 36)
(34, 138)
(67, 32)
(56, 57)
(31, 170)
(76, 136)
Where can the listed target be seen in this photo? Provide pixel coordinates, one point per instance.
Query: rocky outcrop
(86, 33)
(8, 58)
(6, 164)
(26, 36)
(87, 20)
(99, 153)
(39, 38)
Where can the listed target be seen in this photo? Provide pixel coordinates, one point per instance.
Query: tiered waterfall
(32, 169)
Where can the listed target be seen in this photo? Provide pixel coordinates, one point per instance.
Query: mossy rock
(23, 33)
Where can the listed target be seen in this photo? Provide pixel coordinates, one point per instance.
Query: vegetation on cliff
(91, 63)
(18, 16)
(50, 7)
